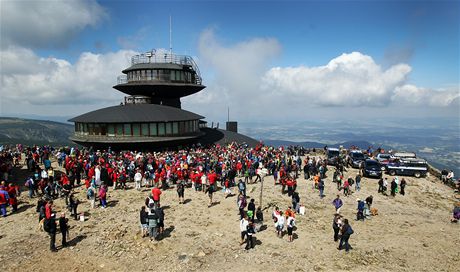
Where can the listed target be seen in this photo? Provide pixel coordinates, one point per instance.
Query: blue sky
(384, 53)
(424, 34)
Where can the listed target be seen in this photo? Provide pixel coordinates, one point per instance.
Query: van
(408, 167)
(332, 156)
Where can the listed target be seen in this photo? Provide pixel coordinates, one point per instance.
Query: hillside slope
(34, 132)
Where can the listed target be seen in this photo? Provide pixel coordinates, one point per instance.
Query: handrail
(162, 57)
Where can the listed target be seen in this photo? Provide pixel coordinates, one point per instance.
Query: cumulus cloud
(242, 79)
(412, 95)
(44, 24)
(232, 73)
(349, 80)
(33, 80)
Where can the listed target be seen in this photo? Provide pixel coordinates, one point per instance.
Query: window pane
(145, 129)
(136, 129)
(175, 128)
(153, 129)
(161, 129)
(127, 129)
(110, 129)
(168, 128)
(119, 129)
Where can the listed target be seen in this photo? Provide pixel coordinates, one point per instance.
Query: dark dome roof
(132, 113)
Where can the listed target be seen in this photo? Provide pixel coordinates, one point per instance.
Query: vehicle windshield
(356, 155)
(372, 163)
(332, 154)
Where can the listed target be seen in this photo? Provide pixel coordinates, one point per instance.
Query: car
(372, 168)
(332, 155)
(356, 158)
(384, 159)
(408, 167)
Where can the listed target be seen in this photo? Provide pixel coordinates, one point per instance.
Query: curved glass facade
(161, 75)
(152, 129)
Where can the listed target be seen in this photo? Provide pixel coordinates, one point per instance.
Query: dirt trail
(411, 233)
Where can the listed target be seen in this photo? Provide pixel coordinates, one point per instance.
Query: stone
(201, 254)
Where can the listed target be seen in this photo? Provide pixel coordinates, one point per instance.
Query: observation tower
(150, 117)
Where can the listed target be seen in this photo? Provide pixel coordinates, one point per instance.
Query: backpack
(46, 225)
(350, 231)
(90, 193)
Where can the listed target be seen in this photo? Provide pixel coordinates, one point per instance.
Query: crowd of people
(200, 169)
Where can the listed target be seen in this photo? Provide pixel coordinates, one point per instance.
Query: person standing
(103, 196)
(51, 229)
(156, 193)
(394, 186)
(290, 223)
(244, 228)
(336, 224)
(251, 232)
(73, 205)
(338, 203)
(180, 191)
(358, 182)
(321, 188)
(252, 209)
(402, 186)
(4, 200)
(12, 193)
(138, 179)
(64, 227)
(144, 223)
(346, 232)
(380, 190)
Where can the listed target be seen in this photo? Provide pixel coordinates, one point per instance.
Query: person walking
(252, 209)
(180, 192)
(338, 203)
(346, 232)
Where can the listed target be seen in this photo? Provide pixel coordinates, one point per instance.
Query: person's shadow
(77, 239)
(167, 232)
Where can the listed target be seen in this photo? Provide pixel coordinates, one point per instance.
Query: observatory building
(151, 115)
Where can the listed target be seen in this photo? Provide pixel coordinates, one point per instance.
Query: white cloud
(45, 24)
(51, 81)
(352, 82)
(412, 95)
(349, 80)
(236, 70)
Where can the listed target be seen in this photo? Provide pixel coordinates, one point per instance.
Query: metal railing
(123, 79)
(164, 57)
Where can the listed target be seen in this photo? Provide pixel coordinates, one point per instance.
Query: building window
(111, 129)
(137, 130)
(127, 129)
(153, 129)
(91, 128)
(149, 74)
(175, 128)
(161, 129)
(119, 129)
(168, 128)
(145, 129)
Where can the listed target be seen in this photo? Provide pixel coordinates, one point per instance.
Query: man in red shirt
(156, 192)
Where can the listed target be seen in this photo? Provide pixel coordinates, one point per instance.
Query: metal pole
(261, 190)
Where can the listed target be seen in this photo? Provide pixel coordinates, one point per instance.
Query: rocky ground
(411, 233)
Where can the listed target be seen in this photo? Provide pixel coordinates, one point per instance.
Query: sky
(267, 61)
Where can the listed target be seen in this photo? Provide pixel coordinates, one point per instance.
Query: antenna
(170, 35)
(228, 114)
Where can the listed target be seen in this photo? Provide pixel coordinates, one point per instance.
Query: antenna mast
(170, 35)
(228, 114)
